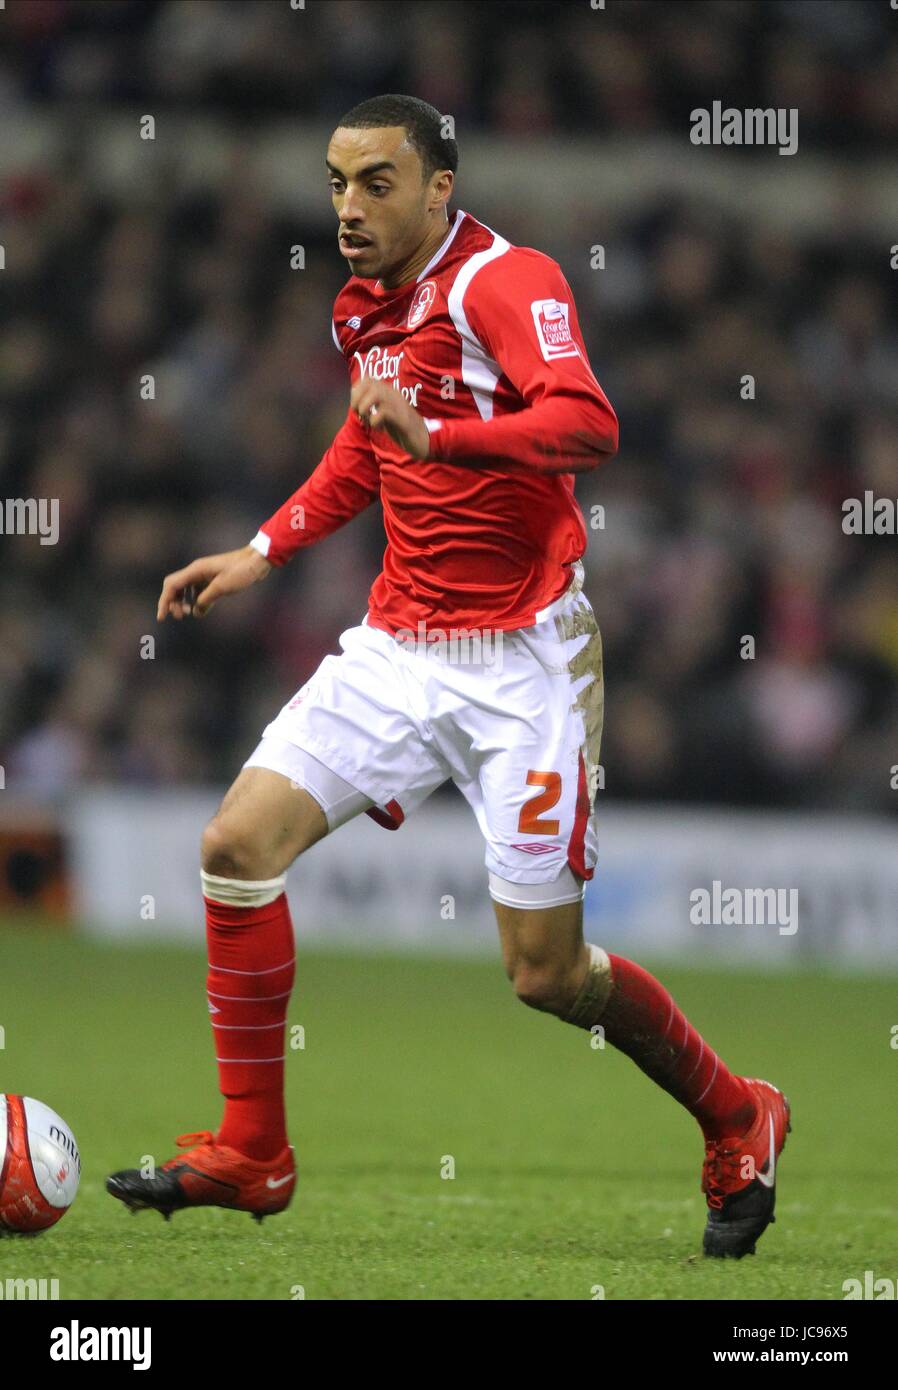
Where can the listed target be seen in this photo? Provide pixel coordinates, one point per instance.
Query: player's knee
(545, 985)
(226, 853)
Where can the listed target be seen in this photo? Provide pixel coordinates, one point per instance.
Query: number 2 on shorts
(528, 821)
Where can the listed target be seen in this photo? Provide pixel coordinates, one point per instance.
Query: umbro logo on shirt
(354, 322)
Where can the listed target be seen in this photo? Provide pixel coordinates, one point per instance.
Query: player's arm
(568, 424)
(214, 576)
(343, 484)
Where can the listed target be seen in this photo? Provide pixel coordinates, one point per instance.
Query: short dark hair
(423, 126)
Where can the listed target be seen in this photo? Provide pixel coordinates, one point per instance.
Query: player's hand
(380, 406)
(216, 575)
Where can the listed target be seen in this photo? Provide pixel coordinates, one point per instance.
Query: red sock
(642, 1020)
(251, 968)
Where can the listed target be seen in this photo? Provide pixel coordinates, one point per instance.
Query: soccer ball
(39, 1166)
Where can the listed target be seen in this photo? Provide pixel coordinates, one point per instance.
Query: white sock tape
(242, 892)
(566, 888)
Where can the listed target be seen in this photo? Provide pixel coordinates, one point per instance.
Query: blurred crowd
(751, 646)
(511, 66)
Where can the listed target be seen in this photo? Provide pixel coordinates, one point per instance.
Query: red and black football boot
(739, 1176)
(209, 1175)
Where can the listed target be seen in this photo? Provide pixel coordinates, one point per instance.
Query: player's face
(380, 198)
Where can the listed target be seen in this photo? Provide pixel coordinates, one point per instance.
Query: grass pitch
(572, 1170)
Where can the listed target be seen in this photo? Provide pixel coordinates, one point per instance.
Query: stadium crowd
(721, 518)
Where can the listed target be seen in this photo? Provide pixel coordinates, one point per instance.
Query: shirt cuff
(439, 440)
(262, 543)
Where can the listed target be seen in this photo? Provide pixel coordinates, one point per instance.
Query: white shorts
(513, 718)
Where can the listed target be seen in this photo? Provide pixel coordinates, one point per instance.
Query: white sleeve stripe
(479, 371)
(335, 338)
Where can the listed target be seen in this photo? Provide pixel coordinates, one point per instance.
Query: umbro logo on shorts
(534, 848)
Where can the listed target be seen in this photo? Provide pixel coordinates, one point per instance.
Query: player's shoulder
(496, 263)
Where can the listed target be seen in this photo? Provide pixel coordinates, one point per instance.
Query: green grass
(571, 1168)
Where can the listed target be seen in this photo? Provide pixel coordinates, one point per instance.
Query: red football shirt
(486, 346)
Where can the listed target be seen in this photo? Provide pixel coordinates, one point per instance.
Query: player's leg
(532, 789)
(536, 803)
(543, 953)
(354, 714)
(277, 807)
(351, 718)
(552, 969)
(744, 1120)
(267, 818)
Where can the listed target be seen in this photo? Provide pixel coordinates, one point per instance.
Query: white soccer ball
(39, 1165)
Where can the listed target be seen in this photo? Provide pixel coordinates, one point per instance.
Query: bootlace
(721, 1167)
(187, 1141)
